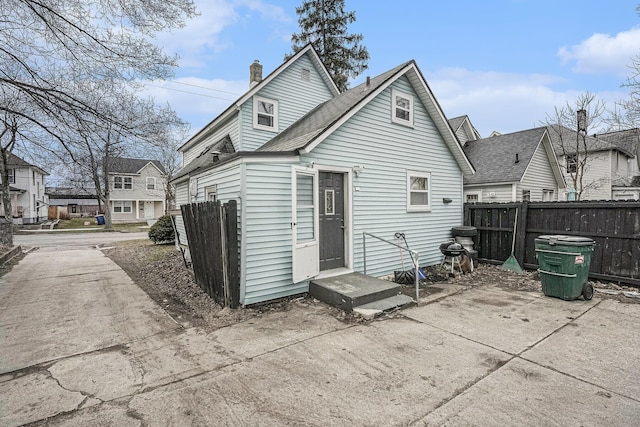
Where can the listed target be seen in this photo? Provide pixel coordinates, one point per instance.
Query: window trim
(211, 190)
(418, 208)
(395, 94)
(153, 180)
(122, 204)
(12, 175)
(122, 185)
(548, 195)
(256, 125)
(478, 194)
(528, 193)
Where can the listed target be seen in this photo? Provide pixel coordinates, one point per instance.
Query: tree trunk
(6, 228)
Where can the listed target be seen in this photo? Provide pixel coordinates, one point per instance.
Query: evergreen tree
(324, 24)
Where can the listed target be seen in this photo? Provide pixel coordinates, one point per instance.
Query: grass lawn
(93, 225)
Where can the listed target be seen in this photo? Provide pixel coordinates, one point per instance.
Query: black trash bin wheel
(587, 291)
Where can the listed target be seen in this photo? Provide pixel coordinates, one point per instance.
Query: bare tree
(569, 128)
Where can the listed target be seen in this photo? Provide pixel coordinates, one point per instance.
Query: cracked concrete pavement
(83, 345)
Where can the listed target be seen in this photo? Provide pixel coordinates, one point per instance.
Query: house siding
(538, 176)
(230, 127)
(380, 192)
(182, 198)
(23, 205)
(295, 98)
(492, 193)
(597, 176)
(138, 194)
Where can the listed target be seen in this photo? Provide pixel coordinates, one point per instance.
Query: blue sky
(505, 63)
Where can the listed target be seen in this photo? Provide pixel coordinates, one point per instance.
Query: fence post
(521, 232)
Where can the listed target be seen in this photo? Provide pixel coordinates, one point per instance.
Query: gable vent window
(265, 114)
(401, 108)
(305, 74)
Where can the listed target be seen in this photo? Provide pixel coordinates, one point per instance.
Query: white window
(418, 191)
(401, 108)
(526, 195)
(571, 163)
(122, 206)
(122, 183)
(211, 193)
(265, 114)
(473, 197)
(12, 176)
(151, 183)
(548, 195)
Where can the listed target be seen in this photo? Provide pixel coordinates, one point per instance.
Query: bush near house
(162, 231)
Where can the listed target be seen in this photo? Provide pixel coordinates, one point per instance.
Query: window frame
(477, 194)
(256, 124)
(394, 107)
(211, 190)
(418, 174)
(122, 205)
(12, 175)
(548, 195)
(571, 163)
(153, 180)
(123, 182)
(528, 195)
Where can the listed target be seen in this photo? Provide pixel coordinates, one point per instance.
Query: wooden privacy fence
(212, 231)
(614, 225)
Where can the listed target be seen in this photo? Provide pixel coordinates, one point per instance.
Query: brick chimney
(255, 73)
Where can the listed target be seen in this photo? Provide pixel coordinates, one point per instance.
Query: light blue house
(312, 169)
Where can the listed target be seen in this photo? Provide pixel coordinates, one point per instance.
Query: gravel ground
(159, 271)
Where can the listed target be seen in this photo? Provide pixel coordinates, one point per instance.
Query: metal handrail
(414, 253)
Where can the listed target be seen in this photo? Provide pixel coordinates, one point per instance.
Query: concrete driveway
(69, 240)
(83, 345)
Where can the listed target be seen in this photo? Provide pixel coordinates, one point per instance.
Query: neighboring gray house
(137, 190)
(626, 180)
(611, 161)
(27, 191)
(312, 169)
(513, 167)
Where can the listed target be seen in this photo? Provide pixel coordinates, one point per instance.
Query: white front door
(304, 223)
(149, 212)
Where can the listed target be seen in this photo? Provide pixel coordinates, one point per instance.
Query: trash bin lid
(559, 239)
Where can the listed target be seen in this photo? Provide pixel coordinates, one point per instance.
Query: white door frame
(305, 253)
(153, 209)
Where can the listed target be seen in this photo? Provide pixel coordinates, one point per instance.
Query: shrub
(162, 231)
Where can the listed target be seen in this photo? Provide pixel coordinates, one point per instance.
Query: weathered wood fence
(212, 231)
(614, 225)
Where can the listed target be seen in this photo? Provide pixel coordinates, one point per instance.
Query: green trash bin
(564, 266)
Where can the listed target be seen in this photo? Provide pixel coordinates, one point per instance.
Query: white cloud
(505, 102)
(603, 54)
(203, 36)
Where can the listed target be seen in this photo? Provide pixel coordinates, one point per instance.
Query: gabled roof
(233, 108)
(14, 161)
(131, 166)
(560, 135)
(311, 129)
(457, 122)
(211, 155)
(495, 157)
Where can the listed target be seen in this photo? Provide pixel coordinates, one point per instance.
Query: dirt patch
(160, 272)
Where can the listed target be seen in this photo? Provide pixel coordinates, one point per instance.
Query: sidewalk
(84, 345)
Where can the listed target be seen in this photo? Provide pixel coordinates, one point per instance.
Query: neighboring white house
(312, 169)
(513, 167)
(27, 190)
(611, 162)
(137, 190)
(626, 177)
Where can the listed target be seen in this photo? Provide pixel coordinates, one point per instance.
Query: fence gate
(212, 232)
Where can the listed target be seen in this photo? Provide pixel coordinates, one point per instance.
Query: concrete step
(352, 290)
(376, 308)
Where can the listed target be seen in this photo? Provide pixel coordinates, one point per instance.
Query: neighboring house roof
(214, 153)
(233, 108)
(69, 193)
(311, 129)
(457, 122)
(131, 166)
(628, 140)
(561, 135)
(14, 161)
(495, 157)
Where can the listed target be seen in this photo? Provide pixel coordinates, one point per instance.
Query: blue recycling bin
(100, 219)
